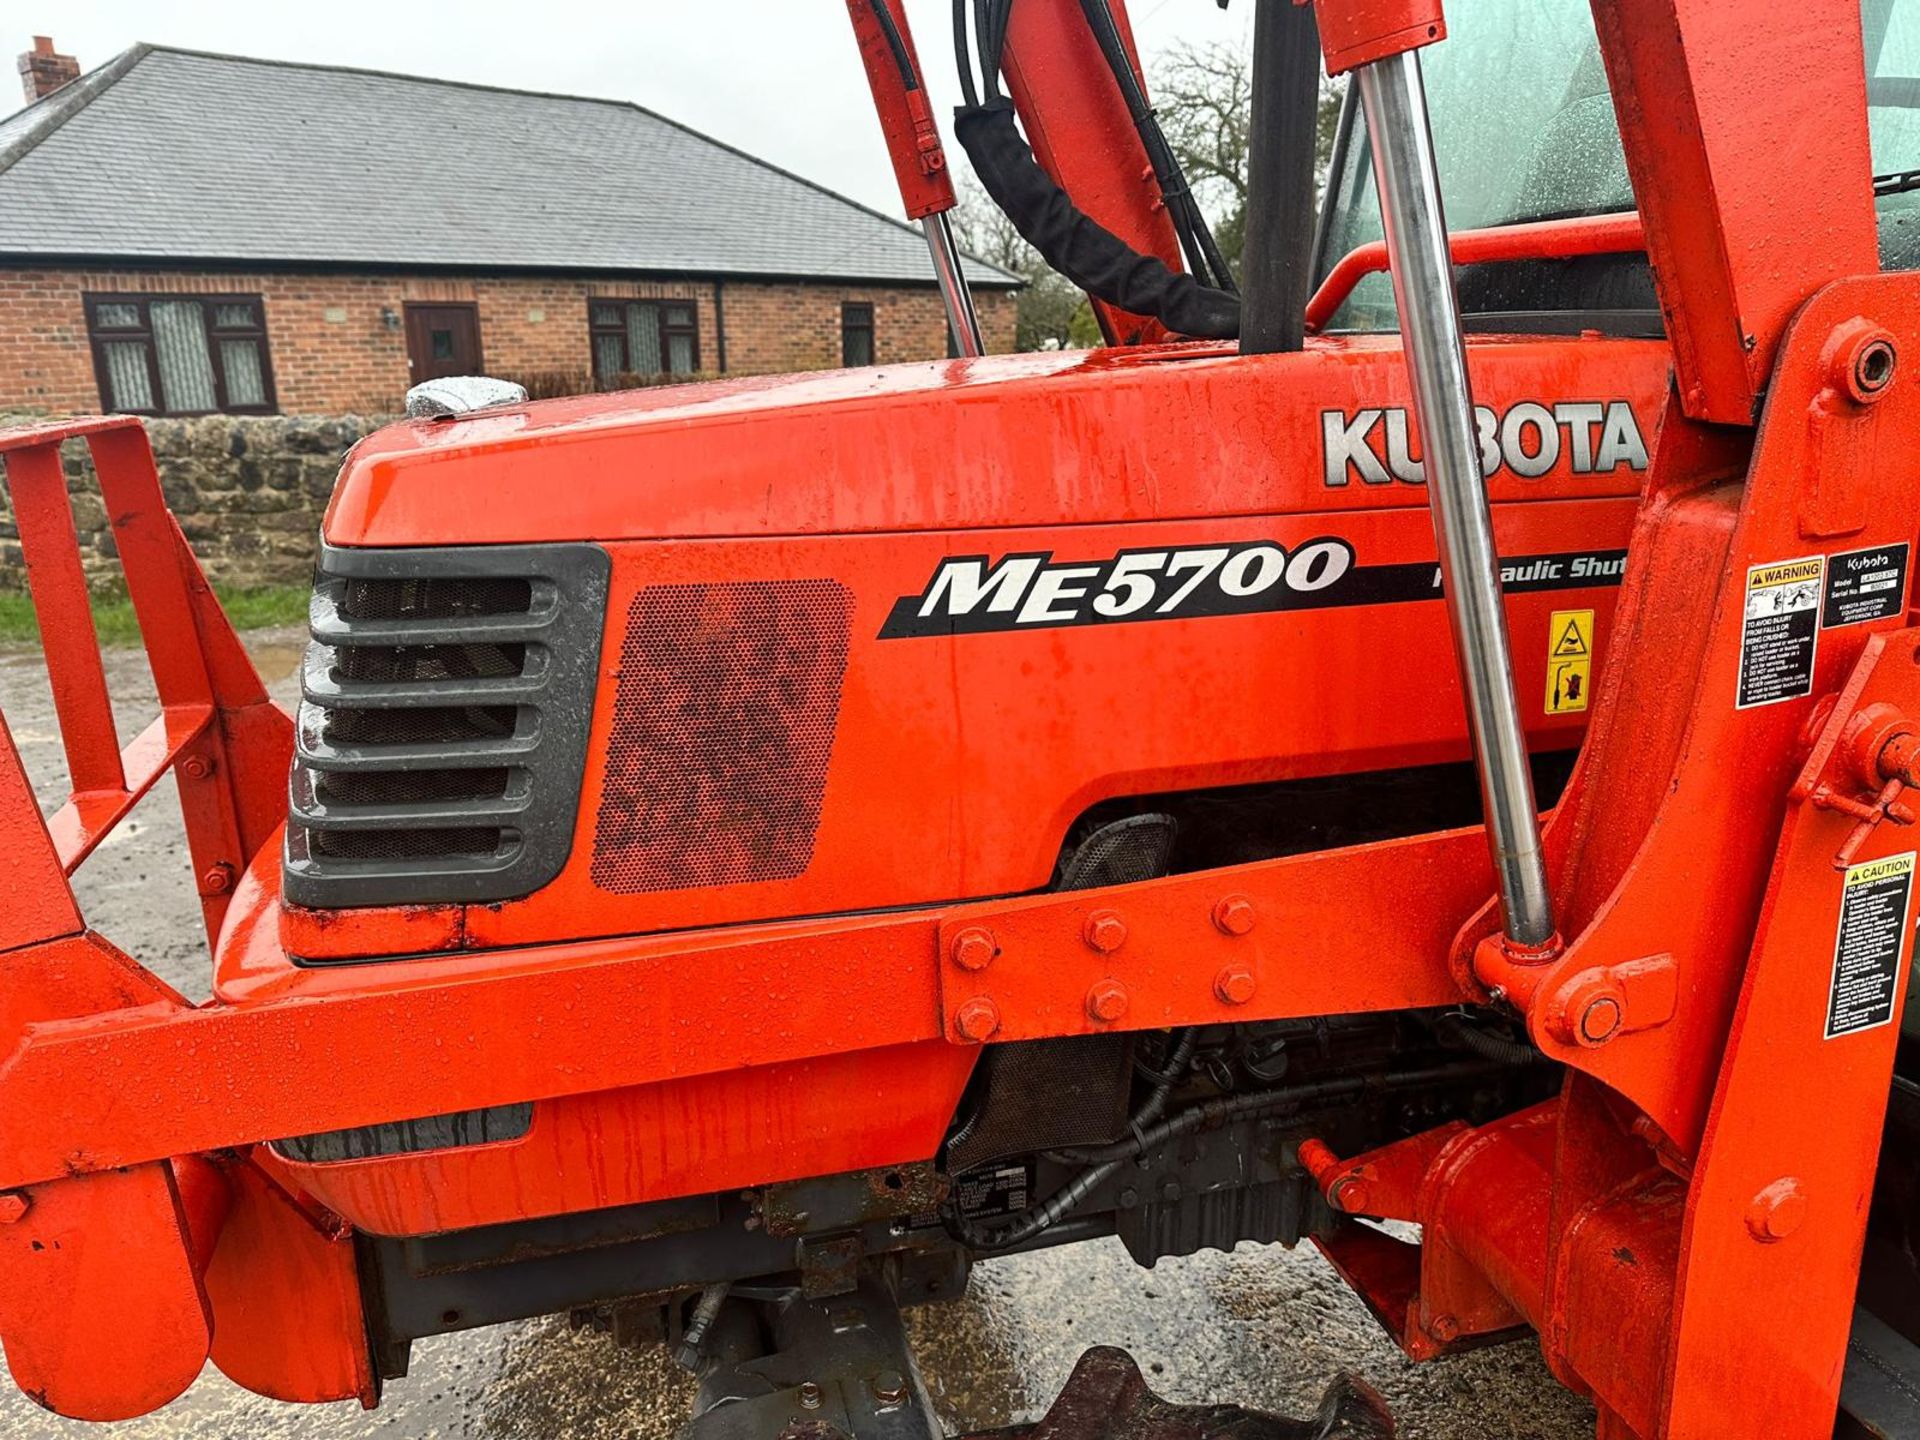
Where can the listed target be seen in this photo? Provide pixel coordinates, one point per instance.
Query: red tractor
(1429, 751)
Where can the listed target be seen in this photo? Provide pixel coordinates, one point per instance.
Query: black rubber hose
(1032, 1222)
(1001, 12)
(963, 56)
(986, 41)
(898, 46)
(1487, 1044)
(1196, 239)
(1091, 256)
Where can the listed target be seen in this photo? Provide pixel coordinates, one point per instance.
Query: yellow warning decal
(1569, 661)
(1789, 572)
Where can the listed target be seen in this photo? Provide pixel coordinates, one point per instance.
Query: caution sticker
(1569, 661)
(1865, 585)
(1869, 947)
(1780, 632)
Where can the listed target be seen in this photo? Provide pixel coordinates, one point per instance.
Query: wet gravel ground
(1262, 1326)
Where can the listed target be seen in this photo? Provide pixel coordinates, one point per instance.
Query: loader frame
(1682, 1225)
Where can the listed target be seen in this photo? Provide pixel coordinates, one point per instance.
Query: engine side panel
(816, 691)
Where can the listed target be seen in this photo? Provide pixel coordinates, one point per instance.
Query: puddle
(276, 653)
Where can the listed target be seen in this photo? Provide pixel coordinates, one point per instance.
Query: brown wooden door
(442, 340)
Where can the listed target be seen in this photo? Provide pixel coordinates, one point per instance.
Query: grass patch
(248, 609)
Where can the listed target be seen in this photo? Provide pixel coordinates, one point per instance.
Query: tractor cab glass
(1524, 129)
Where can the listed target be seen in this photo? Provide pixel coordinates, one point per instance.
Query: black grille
(447, 696)
(428, 598)
(432, 662)
(430, 725)
(411, 787)
(475, 840)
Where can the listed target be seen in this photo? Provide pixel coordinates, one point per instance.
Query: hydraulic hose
(1487, 1044)
(1196, 239)
(896, 45)
(1087, 253)
(1033, 1221)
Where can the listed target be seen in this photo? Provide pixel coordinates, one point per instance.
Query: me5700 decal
(974, 595)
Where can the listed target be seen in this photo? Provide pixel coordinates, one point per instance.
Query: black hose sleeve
(1088, 254)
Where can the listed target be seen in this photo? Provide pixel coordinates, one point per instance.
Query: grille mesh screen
(405, 844)
(723, 724)
(436, 598)
(416, 663)
(410, 787)
(435, 725)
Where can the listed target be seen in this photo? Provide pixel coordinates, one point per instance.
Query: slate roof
(168, 154)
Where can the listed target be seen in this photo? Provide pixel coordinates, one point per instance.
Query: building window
(856, 333)
(643, 337)
(181, 354)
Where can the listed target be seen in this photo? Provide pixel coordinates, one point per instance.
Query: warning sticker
(1867, 950)
(1865, 585)
(1569, 661)
(1780, 632)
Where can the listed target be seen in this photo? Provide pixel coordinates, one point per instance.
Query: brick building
(185, 233)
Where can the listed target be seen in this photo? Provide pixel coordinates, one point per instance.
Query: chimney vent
(42, 71)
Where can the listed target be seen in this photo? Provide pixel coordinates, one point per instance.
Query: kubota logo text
(1530, 439)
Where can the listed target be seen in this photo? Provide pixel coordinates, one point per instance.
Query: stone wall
(249, 493)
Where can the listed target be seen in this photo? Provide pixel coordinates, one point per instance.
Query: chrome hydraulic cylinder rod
(1407, 178)
(962, 321)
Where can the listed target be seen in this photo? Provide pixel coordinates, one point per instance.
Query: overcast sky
(779, 78)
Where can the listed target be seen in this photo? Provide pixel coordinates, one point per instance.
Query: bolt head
(1234, 915)
(1777, 1211)
(1873, 366)
(810, 1395)
(13, 1207)
(1351, 1197)
(1105, 931)
(197, 767)
(977, 1020)
(217, 879)
(1233, 985)
(1444, 1328)
(973, 948)
(1107, 1001)
(889, 1387)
